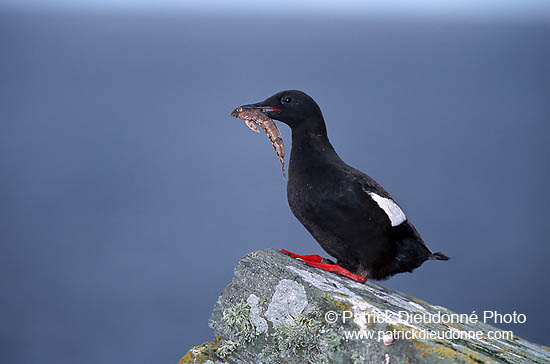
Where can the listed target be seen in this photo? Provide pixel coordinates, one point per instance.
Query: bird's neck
(310, 145)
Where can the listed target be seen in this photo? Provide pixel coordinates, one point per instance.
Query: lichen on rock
(203, 354)
(304, 339)
(226, 348)
(238, 320)
(274, 312)
(256, 318)
(288, 301)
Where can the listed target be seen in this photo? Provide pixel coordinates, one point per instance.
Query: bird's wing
(367, 188)
(378, 194)
(390, 207)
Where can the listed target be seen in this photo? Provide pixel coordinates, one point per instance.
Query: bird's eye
(286, 100)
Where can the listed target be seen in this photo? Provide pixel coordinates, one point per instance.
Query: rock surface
(278, 310)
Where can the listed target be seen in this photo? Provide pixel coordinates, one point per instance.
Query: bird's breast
(317, 199)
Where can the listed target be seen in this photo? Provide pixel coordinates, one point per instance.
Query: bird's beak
(259, 106)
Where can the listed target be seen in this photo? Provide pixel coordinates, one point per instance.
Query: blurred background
(127, 191)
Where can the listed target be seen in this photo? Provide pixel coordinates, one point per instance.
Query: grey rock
(279, 310)
(288, 301)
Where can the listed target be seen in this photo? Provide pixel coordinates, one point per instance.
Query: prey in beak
(258, 106)
(254, 115)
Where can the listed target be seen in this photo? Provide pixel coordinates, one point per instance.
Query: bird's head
(292, 107)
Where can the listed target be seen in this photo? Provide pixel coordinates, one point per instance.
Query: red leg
(305, 258)
(316, 261)
(335, 268)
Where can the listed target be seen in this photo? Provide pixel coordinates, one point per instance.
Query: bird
(350, 215)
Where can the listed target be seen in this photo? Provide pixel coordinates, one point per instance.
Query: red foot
(317, 262)
(306, 258)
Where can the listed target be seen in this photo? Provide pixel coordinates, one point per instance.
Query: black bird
(351, 216)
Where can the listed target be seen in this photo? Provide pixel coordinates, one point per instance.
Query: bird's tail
(438, 256)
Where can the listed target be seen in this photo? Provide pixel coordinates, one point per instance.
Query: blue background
(128, 194)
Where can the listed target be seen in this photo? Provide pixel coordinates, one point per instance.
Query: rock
(279, 310)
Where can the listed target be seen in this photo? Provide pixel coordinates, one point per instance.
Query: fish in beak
(254, 115)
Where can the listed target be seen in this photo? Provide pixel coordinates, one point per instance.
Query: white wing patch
(394, 212)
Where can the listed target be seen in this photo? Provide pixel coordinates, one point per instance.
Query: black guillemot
(351, 216)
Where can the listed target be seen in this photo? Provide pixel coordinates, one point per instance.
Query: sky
(481, 9)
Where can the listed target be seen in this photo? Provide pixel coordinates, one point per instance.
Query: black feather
(332, 200)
